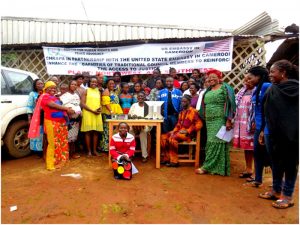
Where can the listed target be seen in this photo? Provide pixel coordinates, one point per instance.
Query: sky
(216, 14)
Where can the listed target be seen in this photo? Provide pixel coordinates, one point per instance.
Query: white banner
(140, 59)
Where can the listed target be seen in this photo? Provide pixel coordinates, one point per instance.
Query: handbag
(122, 169)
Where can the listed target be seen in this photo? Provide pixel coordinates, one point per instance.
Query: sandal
(245, 175)
(250, 179)
(200, 171)
(75, 156)
(270, 195)
(256, 184)
(283, 203)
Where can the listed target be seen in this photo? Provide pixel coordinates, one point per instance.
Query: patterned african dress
(217, 160)
(241, 137)
(189, 121)
(36, 144)
(57, 132)
(126, 102)
(113, 101)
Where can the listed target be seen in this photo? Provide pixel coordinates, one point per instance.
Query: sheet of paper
(13, 208)
(134, 169)
(74, 175)
(225, 135)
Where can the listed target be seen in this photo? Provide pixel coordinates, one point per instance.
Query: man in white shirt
(138, 110)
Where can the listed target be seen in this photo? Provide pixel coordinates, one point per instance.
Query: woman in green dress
(218, 109)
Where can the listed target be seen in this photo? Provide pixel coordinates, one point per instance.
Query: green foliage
(7, 57)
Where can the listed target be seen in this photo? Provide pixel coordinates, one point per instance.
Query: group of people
(262, 114)
(266, 127)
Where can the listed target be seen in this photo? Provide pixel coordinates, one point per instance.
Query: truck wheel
(16, 139)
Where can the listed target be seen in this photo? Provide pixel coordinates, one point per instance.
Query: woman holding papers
(218, 109)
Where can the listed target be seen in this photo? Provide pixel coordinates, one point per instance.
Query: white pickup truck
(15, 87)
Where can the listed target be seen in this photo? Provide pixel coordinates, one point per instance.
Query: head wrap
(216, 72)
(48, 84)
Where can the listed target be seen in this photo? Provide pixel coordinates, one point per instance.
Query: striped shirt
(118, 146)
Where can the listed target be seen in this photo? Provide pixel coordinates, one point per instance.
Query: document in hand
(225, 135)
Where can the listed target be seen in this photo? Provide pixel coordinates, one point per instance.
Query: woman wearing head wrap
(217, 109)
(55, 126)
(281, 108)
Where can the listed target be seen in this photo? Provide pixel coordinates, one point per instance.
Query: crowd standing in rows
(263, 116)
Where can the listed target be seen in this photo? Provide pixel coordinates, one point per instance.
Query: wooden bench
(190, 157)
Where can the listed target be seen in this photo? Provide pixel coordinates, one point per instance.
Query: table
(138, 122)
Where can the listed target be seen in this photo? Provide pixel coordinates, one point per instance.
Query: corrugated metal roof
(17, 30)
(260, 25)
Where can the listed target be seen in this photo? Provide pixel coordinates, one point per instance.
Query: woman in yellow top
(91, 115)
(110, 106)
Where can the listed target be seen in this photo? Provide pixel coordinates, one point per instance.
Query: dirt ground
(166, 195)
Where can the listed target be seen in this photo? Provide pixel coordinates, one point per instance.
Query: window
(19, 83)
(4, 89)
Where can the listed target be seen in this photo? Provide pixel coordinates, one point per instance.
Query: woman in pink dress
(243, 134)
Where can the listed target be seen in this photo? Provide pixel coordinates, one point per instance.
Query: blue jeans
(169, 123)
(261, 155)
(269, 146)
(285, 155)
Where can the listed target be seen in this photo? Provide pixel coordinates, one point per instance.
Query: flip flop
(269, 195)
(282, 203)
(245, 175)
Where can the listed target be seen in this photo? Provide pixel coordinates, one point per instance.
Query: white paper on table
(225, 135)
(134, 169)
